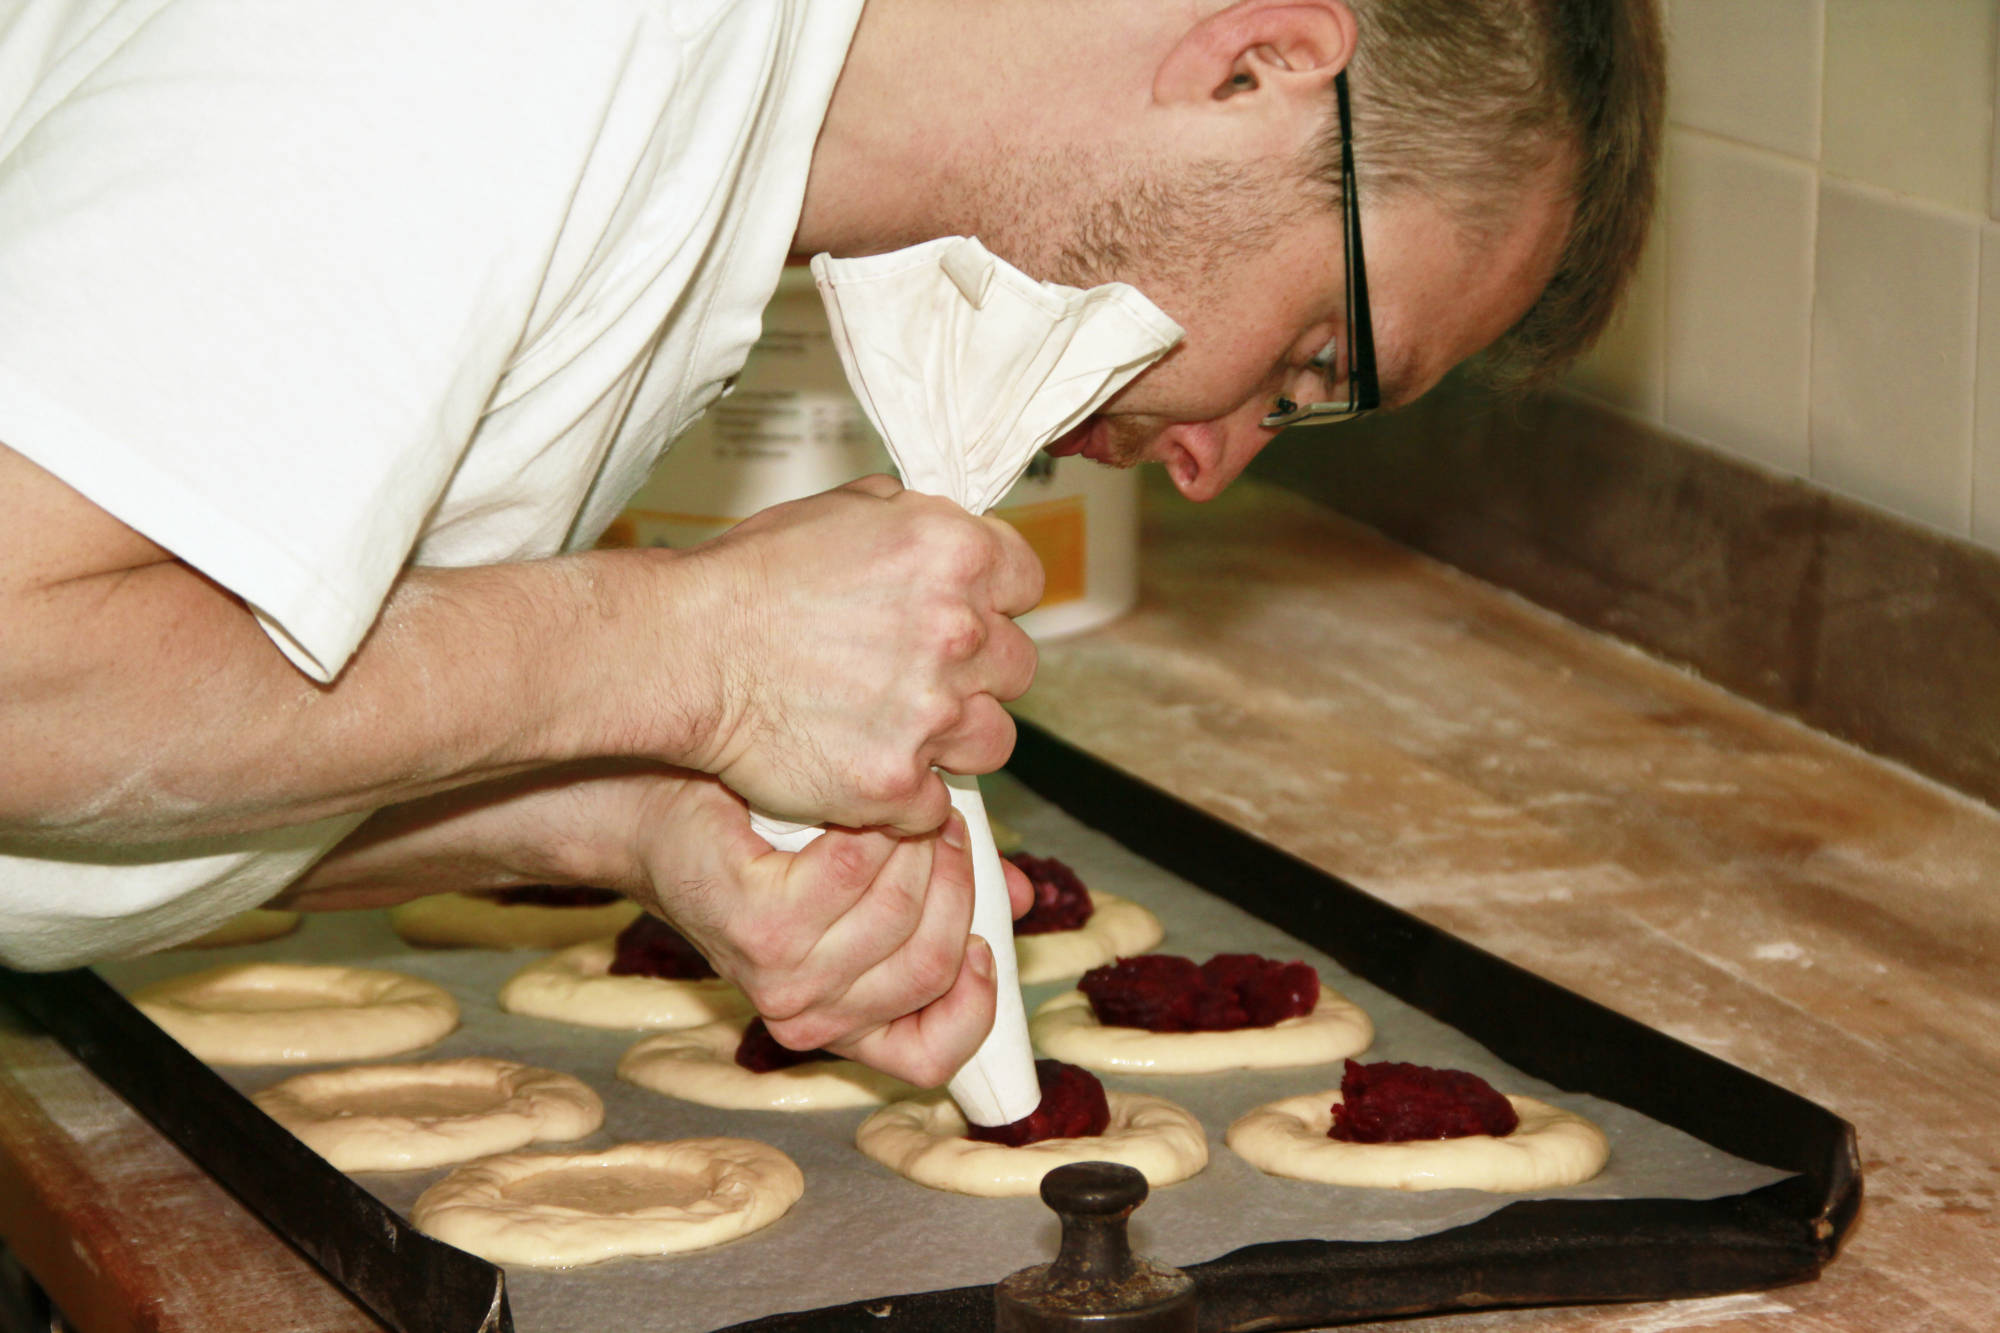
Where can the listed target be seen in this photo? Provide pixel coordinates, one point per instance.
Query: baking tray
(1541, 1252)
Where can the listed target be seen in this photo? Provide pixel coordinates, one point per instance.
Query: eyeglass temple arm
(1361, 339)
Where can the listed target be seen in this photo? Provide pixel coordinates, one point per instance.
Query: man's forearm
(146, 704)
(571, 824)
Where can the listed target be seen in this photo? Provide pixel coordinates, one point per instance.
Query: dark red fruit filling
(550, 895)
(1073, 1107)
(649, 947)
(1391, 1103)
(760, 1053)
(1166, 993)
(1061, 902)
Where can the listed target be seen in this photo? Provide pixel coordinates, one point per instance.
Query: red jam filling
(550, 895)
(760, 1053)
(1061, 902)
(649, 947)
(1166, 993)
(1073, 1107)
(1388, 1102)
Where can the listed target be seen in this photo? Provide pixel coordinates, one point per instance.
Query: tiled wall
(1822, 293)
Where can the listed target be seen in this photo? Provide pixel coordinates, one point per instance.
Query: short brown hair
(1467, 99)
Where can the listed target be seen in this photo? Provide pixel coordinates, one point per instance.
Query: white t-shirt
(305, 292)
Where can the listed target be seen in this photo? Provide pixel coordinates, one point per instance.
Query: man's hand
(869, 636)
(859, 944)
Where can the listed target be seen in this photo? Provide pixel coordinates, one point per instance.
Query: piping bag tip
(997, 1086)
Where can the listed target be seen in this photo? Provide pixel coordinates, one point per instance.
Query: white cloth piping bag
(967, 367)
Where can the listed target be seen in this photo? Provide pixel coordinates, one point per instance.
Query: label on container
(1058, 531)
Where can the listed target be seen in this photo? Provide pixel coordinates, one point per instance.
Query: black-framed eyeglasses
(1364, 393)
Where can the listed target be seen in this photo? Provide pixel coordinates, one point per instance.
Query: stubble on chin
(1126, 441)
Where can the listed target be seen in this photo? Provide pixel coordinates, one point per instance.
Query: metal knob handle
(1095, 1282)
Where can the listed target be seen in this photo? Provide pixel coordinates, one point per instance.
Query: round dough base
(559, 1210)
(465, 920)
(297, 1013)
(436, 1113)
(1118, 928)
(251, 927)
(575, 985)
(924, 1139)
(1550, 1147)
(699, 1065)
(1066, 1028)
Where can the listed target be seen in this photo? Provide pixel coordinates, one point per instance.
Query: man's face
(1257, 282)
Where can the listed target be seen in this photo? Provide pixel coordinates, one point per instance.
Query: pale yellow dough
(464, 920)
(297, 1013)
(406, 1117)
(575, 985)
(924, 1139)
(1117, 928)
(251, 927)
(559, 1210)
(1005, 839)
(699, 1065)
(1066, 1028)
(1550, 1147)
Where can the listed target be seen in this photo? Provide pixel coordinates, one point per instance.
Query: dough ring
(558, 1210)
(251, 927)
(699, 1065)
(297, 1013)
(406, 1117)
(1066, 1028)
(465, 920)
(575, 985)
(1550, 1147)
(1117, 928)
(924, 1139)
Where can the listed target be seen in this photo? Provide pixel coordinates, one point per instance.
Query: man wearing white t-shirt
(332, 334)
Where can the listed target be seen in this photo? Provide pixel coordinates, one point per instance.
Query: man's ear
(1258, 46)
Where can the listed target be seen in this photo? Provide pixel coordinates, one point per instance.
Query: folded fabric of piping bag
(967, 367)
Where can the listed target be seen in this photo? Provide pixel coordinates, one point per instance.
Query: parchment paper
(861, 1231)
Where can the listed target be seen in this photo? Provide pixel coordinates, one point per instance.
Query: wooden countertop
(1823, 919)
(1777, 898)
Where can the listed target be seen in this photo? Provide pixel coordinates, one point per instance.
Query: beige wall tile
(1993, 177)
(1986, 405)
(1748, 69)
(1894, 326)
(1739, 225)
(1627, 368)
(1908, 96)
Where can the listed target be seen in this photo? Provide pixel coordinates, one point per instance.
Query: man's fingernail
(954, 831)
(979, 956)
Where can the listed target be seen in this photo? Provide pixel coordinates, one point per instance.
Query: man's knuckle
(959, 632)
(783, 997)
(932, 969)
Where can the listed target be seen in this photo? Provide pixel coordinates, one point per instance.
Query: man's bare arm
(820, 659)
(141, 701)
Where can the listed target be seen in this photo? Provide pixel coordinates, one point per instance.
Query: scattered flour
(1687, 1316)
